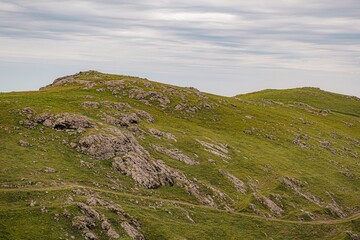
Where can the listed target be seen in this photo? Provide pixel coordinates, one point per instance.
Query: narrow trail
(129, 195)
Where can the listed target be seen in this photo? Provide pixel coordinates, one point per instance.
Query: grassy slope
(254, 159)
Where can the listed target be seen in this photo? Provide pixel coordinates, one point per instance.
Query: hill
(101, 156)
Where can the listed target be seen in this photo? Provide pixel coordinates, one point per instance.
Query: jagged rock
(105, 146)
(239, 185)
(217, 149)
(131, 231)
(88, 211)
(144, 171)
(110, 232)
(83, 222)
(131, 118)
(353, 236)
(175, 154)
(90, 236)
(269, 204)
(91, 104)
(24, 143)
(64, 121)
(145, 115)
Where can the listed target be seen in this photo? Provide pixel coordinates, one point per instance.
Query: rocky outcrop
(144, 171)
(269, 204)
(218, 149)
(333, 207)
(145, 115)
(132, 231)
(106, 145)
(64, 121)
(239, 185)
(175, 154)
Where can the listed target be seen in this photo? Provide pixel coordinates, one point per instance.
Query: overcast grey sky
(220, 46)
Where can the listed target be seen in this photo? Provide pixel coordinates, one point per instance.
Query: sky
(224, 47)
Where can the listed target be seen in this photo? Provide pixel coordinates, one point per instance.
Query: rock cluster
(143, 170)
(64, 121)
(107, 145)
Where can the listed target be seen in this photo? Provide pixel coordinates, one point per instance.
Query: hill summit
(102, 156)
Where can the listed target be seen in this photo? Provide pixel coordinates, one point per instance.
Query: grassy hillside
(102, 156)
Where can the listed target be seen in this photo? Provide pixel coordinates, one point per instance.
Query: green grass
(255, 159)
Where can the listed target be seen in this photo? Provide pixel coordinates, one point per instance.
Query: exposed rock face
(333, 207)
(175, 154)
(83, 222)
(132, 232)
(239, 185)
(191, 187)
(143, 170)
(105, 146)
(130, 118)
(269, 204)
(217, 149)
(145, 115)
(64, 121)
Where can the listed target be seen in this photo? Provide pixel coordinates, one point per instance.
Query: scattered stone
(299, 140)
(49, 170)
(90, 104)
(327, 145)
(24, 143)
(32, 203)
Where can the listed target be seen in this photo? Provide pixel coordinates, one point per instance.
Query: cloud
(319, 35)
